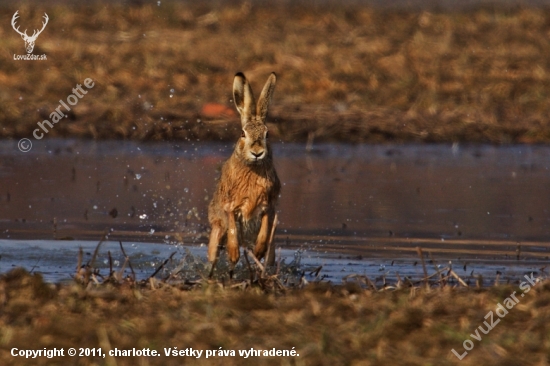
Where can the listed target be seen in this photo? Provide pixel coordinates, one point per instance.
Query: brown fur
(242, 211)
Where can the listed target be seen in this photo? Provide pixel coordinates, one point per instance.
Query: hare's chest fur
(251, 191)
(247, 193)
(255, 198)
(253, 201)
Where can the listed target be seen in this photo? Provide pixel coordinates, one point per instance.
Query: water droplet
(143, 216)
(138, 176)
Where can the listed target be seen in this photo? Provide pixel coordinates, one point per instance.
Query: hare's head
(252, 147)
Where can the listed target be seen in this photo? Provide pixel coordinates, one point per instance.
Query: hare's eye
(242, 133)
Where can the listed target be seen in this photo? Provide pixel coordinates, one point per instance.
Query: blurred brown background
(353, 71)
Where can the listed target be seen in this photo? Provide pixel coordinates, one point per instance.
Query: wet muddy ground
(354, 209)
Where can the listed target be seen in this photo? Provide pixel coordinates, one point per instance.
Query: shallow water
(352, 209)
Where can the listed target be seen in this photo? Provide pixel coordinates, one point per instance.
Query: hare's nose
(258, 155)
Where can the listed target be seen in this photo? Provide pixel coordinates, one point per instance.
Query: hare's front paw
(233, 252)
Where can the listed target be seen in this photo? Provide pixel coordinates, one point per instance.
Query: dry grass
(347, 72)
(326, 324)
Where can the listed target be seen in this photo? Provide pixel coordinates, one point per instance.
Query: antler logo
(29, 41)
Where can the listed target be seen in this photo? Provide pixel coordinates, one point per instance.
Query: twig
(242, 285)
(79, 263)
(453, 273)
(399, 283)
(262, 269)
(122, 269)
(435, 267)
(278, 282)
(479, 281)
(269, 246)
(33, 267)
(129, 262)
(88, 267)
(370, 283)
(249, 267)
(162, 265)
(419, 251)
(424, 279)
(279, 261)
(179, 267)
(96, 251)
(316, 271)
(82, 274)
(110, 263)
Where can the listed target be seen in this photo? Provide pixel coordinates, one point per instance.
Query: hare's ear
(265, 97)
(242, 94)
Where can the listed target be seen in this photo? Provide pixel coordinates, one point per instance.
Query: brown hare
(242, 211)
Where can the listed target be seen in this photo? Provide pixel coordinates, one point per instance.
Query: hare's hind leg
(213, 246)
(232, 239)
(265, 238)
(270, 259)
(214, 242)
